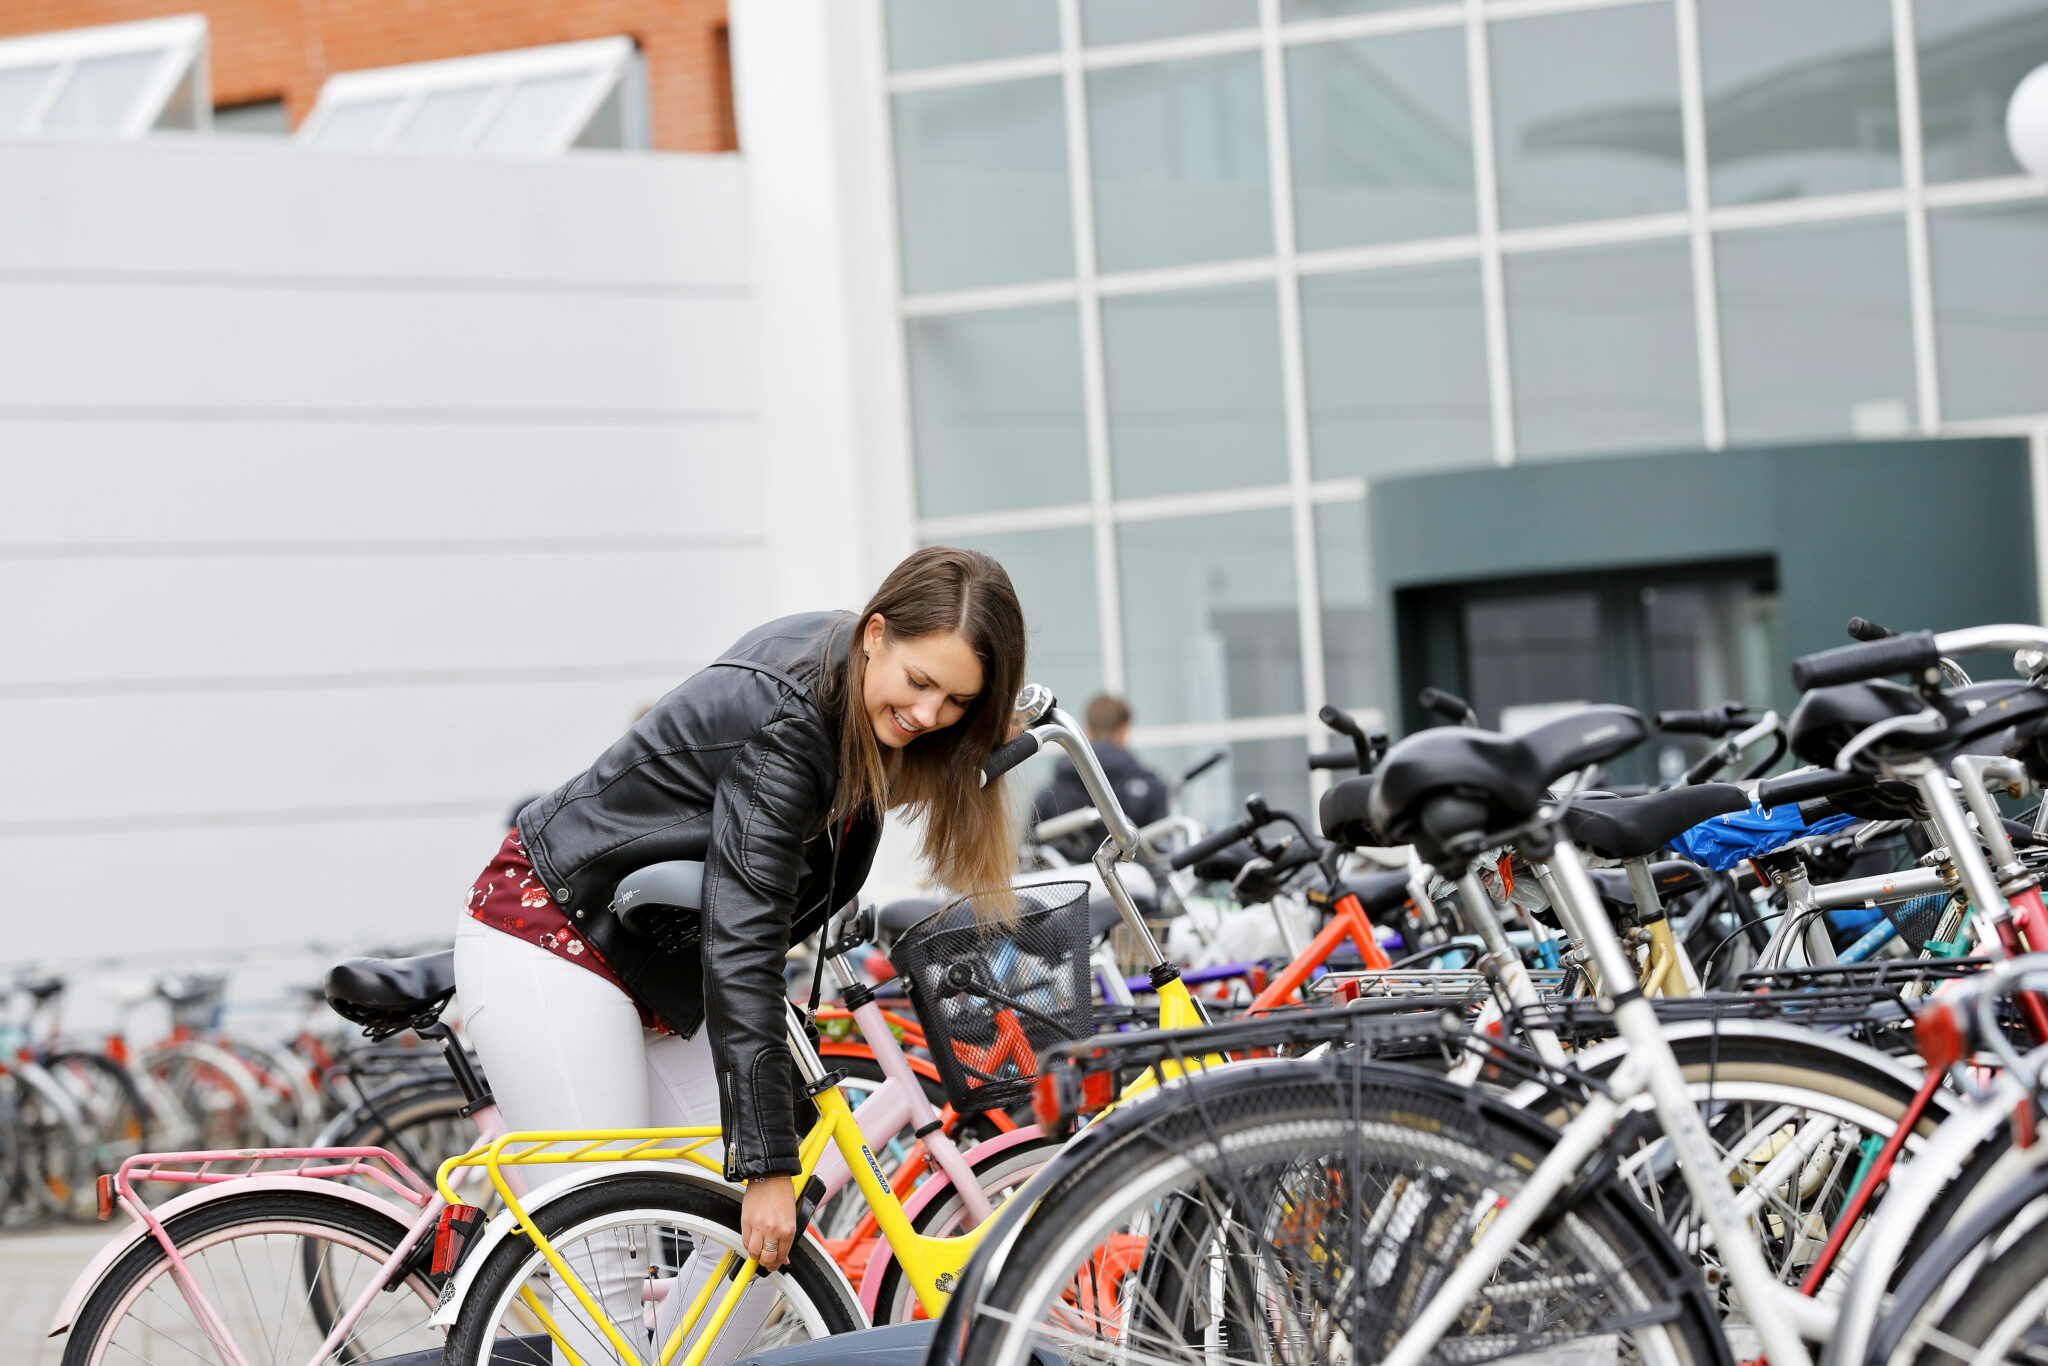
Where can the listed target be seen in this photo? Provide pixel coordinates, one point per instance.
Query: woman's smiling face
(917, 685)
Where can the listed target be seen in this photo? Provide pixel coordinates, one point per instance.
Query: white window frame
(182, 41)
(611, 63)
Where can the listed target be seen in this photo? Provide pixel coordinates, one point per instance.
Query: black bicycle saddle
(1671, 877)
(1636, 827)
(1440, 784)
(899, 916)
(1345, 812)
(392, 993)
(1378, 892)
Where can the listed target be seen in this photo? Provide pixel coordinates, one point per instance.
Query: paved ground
(35, 1271)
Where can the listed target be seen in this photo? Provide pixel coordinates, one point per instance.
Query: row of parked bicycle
(1527, 1068)
(73, 1108)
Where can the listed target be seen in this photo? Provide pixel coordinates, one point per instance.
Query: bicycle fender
(123, 1242)
(884, 1255)
(456, 1290)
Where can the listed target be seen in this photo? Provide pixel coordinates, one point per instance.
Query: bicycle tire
(289, 1216)
(630, 1201)
(1346, 1122)
(56, 1177)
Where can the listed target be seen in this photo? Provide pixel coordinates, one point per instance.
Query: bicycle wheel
(2002, 1314)
(214, 1103)
(999, 1175)
(56, 1176)
(243, 1253)
(108, 1100)
(642, 1244)
(1763, 1093)
(1306, 1212)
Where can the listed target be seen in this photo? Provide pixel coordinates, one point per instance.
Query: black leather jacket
(736, 767)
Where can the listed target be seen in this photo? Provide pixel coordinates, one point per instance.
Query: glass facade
(1203, 315)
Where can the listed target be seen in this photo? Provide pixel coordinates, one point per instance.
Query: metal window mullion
(1094, 383)
(1706, 300)
(2037, 466)
(1913, 171)
(1486, 192)
(1293, 380)
(486, 114)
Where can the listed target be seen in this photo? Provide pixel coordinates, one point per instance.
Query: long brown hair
(970, 835)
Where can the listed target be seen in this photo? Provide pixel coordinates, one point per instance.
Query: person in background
(1142, 792)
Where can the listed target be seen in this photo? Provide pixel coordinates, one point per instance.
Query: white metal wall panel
(98, 483)
(348, 499)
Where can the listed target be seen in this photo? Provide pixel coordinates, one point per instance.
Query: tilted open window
(120, 80)
(542, 100)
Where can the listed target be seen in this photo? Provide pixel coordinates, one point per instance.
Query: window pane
(531, 120)
(1179, 153)
(1344, 578)
(1585, 115)
(1275, 769)
(1527, 654)
(1816, 331)
(1211, 629)
(257, 118)
(1381, 134)
(1396, 368)
(1972, 54)
(1991, 309)
(981, 183)
(1127, 21)
(1801, 99)
(442, 118)
(1054, 574)
(1194, 390)
(19, 91)
(941, 32)
(995, 402)
(357, 124)
(101, 93)
(1325, 9)
(1602, 349)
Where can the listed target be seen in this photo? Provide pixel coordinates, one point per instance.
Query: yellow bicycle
(632, 1254)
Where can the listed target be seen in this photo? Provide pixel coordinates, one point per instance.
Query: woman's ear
(871, 634)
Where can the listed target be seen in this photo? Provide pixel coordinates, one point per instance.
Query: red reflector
(104, 1189)
(1939, 1034)
(1045, 1101)
(452, 1234)
(1098, 1089)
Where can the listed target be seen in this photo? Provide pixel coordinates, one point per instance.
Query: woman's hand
(768, 1220)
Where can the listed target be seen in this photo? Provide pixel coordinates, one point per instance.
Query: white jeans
(562, 1048)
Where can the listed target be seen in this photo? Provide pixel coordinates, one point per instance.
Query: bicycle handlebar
(1450, 706)
(1806, 787)
(1861, 628)
(1714, 722)
(1334, 758)
(1908, 654)
(1009, 755)
(1215, 844)
(1202, 766)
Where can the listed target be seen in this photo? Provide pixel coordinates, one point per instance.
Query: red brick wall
(284, 49)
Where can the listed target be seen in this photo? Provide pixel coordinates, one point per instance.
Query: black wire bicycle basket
(995, 988)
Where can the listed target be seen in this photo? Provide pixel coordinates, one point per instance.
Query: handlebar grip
(1693, 723)
(1009, 756)
(1216, 843)
(1334, 758)
(1861, 628)
(1341, 721)
(1448, 705)
(1214, 758)
(1805, 787)
(1907, 654)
